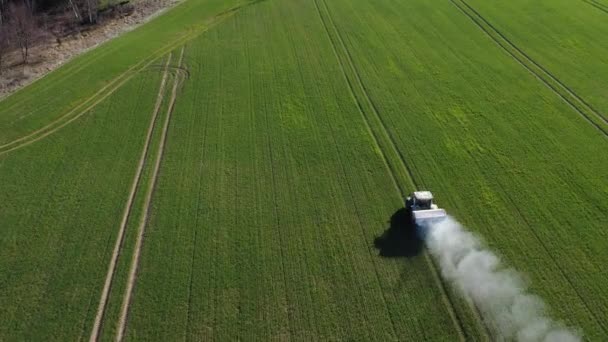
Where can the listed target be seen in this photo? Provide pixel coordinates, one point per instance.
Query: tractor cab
(422, 200)
(422, 209)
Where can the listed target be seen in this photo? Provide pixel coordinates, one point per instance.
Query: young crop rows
(240, 176)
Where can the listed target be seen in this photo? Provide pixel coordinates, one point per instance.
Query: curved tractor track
(178, 75)
(86, 105)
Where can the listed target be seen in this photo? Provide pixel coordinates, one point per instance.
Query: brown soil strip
(121, 233)
(122, 322)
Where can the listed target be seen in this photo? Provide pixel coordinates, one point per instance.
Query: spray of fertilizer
(499, 293)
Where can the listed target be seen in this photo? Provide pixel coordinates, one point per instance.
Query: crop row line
(583, 108)
(217, 247)
(127, 211)
(280, 232)
(269, 146)
(248, 134)
(340, 162)
(359, 218)
(307, 187)
(375, 139)
(145, 213)
(597, 5)
(196, 220)
(385, 133)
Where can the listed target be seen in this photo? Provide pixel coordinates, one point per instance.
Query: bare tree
(91, 7)
(4, 43)
(30, 4)
(85, 11)
(3, 4)
(75, 9)
(24, 27)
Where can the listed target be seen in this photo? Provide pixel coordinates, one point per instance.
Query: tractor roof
(423, 195)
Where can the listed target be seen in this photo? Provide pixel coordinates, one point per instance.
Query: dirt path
(144, 217)
(121, 232)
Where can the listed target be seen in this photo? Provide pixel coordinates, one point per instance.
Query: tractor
(422, 209)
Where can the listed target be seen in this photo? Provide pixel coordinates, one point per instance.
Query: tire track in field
(68, 68)
(127, 211)
(129, 73)
(458, 325)
(159, 52)
(82, 103)
(310, 186)
(601, 323)
(584, 109)
(57, 124)
(597, 5)
(569, 91)
(146, 211)
(356, 207)
(108, 243)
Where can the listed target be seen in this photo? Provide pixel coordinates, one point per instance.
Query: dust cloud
(498, 292)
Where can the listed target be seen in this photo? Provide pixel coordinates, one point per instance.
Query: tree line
(24, 22)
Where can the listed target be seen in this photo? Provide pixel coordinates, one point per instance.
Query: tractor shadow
(400, 240)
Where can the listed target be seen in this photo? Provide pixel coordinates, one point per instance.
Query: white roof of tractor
(423, 195)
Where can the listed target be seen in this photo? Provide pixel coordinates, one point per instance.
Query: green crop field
(235, 170)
